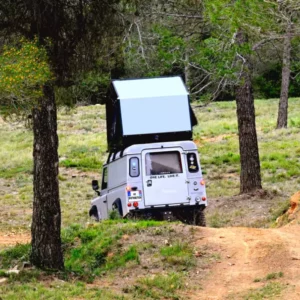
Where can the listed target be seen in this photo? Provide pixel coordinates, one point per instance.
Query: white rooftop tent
(148, 110)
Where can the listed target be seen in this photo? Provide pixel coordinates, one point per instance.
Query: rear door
(164, 177)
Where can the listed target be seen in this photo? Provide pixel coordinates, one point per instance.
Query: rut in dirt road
(247, 256)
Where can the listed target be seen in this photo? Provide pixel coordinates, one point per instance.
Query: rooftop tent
(146, 111)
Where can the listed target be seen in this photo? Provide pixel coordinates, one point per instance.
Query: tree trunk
(187, 71)
(285, 81)
(250, 179)
(46, 219)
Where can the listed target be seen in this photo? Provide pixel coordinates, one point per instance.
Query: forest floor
(249, 263)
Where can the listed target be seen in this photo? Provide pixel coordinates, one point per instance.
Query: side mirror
(95, 186)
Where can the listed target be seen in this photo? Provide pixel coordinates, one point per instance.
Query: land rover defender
(153, 169)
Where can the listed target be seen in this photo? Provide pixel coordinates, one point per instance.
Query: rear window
(159, 163)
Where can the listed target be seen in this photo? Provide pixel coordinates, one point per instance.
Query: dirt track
(246, 254)
(11, 239)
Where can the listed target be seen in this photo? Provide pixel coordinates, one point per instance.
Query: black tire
(193, 216)
(117, 206)
(200, 219)
(94, 213)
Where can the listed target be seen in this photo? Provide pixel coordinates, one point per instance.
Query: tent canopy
(149, 88)
(148, 110)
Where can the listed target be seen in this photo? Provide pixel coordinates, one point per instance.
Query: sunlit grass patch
(178, 254)
(57, 290)
(12, 256)
(158, 287)
(93, 250)
(269, 291)
(218, 219)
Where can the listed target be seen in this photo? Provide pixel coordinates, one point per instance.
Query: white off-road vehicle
(153, 169)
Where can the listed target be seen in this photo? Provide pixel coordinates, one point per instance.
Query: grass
(218, 146)
(271, 290)
(270, 276)
(82, 152)
(98, 249)
(179, 254)
(113, 252)
(11, 257)
(58, 290)
(157, 287)
(218, 219)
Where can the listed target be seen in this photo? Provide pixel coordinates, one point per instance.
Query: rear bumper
(166, 212)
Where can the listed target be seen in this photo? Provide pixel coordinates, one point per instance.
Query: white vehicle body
(153, 179)
(153, 169)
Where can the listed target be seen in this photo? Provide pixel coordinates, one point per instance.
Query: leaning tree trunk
(250, 179)
(285, 81)
(46, 219)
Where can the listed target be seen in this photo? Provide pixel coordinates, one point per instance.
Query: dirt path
(248, 254)
(11, 239)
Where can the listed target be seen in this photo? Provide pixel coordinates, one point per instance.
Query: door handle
(105, 201)
(149, 183)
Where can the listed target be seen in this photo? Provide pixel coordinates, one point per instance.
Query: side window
(104, 179)
(134, 167)
(192, 163)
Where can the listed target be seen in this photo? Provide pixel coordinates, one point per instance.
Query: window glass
(104, 179)
(134, 168)
(163, 163)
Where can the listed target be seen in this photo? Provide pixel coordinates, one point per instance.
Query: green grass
(157, 287)
(90, 250)
(218, 219)
(270, 276)
(82, 152)
(97, 248)
(178, 254)
(219, 149)
(115, 252)
(271, 290)
(11, 257)
(58, 290)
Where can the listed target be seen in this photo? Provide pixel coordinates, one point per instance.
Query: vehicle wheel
(94, 213)
(200, 219)
(192, 217)
(117, 211)
(133, 216)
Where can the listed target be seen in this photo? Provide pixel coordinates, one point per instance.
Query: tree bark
(285, 81)
(46, 220)
(250, 178)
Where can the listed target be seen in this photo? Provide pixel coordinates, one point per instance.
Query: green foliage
(272, 276)
(218, 220)
(88, 88)
(170, 48)
(158, 287)
(178, 254)
(280, 210)
(57, 289)
(24, 70)
(92, 251)
(19, 253)
(270, 290)
(114, 215)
